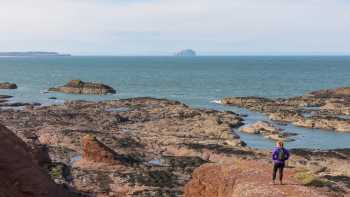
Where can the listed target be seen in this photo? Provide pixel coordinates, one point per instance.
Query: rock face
(80, 87)
(324, 109)
(243, 178)
(20, 175)
(7, 85)
(96, 151)
(186, 53)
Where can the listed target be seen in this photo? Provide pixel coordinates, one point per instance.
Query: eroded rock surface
(81, 87)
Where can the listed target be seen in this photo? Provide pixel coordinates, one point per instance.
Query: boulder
(7, 85)
(260, 127)
(81, 87)
(268, 130)
(20, 174)
(95, 151)
(242, 178)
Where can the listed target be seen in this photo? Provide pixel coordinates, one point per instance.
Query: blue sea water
(196, 81)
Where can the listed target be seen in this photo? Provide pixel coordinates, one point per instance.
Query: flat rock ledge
(7, 85)
(81, 87)
(324, 109)
(268, 130)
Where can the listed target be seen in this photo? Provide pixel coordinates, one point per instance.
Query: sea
(196, 81)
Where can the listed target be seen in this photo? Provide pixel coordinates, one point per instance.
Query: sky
(162, 27)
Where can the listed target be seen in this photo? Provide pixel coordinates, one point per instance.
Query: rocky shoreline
(324, 109)
(151, 147)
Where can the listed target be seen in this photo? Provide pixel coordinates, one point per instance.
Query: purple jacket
(275, 152)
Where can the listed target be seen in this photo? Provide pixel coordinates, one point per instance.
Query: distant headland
(186, 53)
(31, 54)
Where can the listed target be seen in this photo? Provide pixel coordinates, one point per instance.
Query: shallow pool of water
(306, 138)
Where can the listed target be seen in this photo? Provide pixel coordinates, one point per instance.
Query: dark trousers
(279, 167)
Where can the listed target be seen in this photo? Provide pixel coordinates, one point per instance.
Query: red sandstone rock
(20, 176)
(95, 151)
(243, 179)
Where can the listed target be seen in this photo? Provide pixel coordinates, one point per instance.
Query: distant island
(30, 54)
(186, 53)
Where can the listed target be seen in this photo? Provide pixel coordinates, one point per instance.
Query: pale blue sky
(161, 27)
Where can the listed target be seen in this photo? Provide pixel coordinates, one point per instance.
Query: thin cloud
(153, 27)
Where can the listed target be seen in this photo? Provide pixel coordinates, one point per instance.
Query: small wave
(216, 101)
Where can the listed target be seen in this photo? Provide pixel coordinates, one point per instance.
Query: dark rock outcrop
(7, 85)
(81, 87)
(5, 97)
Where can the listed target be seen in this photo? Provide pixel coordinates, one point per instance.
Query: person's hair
(280, 144)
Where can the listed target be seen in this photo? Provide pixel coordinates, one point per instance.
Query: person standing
(279, 156)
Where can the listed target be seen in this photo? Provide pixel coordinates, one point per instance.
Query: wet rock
(81, 87)
(18, 104)
(7, 85)
(5, 96)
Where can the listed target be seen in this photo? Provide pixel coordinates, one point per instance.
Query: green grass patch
(56, 172)
(308, 179)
